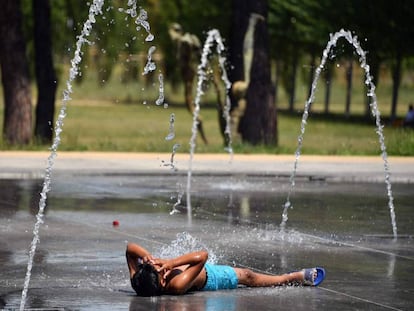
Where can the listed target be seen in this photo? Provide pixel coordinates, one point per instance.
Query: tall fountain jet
(213, 37)
(94, 10)
(238, 86)
(353, 40)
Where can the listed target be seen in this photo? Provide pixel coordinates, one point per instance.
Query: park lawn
(123, 117)
(107, 126)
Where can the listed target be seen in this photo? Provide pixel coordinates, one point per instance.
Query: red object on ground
(115, 223)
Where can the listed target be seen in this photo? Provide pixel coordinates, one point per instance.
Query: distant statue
(239, 88)
(188, 54)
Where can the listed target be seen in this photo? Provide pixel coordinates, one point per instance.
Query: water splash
(95, 9)
(180, 193)
(213, 37)
(150, 65)
(171, 133)
(161, 97)
(141, 20)
(353, 40)
(185, 243)
(171, 163)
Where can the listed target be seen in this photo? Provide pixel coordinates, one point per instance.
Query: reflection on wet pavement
(80, 263)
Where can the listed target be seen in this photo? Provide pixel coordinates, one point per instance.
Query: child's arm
(181, 283)
(135, 253)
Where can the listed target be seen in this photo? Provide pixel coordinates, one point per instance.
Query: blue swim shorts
(220, 277)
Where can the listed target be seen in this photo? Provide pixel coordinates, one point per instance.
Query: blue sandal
(309, 276)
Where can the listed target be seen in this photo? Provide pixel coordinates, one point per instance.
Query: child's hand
(148, 259)
(165, 266)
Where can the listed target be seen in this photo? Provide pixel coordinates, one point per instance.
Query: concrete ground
(340, 168)
(80, 265)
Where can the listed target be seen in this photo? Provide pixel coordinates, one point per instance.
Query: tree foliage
(298, 29)
(298, 32)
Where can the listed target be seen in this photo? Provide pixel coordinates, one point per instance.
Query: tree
(294, 31)
(45, 73)
(283, 21)
(400, 29)
(15, 76)
(239, 21)
(259, 122)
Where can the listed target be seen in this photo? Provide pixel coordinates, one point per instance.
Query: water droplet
(170, 136)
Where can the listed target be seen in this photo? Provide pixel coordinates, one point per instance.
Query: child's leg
(253, 279)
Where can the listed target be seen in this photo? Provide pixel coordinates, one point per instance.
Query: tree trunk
(349, 72)
(328, 78)
(258, 124)
(45, 73)
(278, 70)
(15, 76)
(239, 23)
(292, 84)
(396, 80)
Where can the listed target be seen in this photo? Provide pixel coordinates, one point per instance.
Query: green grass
(114, 118)
(142, 128)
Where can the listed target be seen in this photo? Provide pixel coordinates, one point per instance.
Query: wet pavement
(340, 220)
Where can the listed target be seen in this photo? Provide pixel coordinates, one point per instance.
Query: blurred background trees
(15, 76)
(291, 38)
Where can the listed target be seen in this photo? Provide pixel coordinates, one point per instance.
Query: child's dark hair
(145, 281)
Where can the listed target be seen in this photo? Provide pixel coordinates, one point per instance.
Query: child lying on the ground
(155, 276)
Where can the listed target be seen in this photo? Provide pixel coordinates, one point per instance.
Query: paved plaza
(339, 221)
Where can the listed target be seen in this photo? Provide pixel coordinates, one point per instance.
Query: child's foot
(313, 276)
